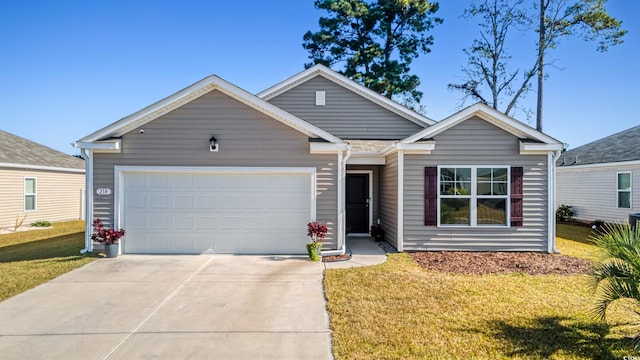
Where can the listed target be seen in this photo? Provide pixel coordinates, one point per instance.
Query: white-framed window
(473, 195)
(30, 191)
(624, 190)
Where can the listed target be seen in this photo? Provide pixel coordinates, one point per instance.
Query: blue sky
(69, 68)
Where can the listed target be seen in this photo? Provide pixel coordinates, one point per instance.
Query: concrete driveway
(173, 307)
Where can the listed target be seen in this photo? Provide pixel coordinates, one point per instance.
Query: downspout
(400, 204)
(87, 156)
(342, 170)
(552, 159)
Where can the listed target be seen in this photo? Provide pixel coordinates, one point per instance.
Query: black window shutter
(430, 196)
(516, 195)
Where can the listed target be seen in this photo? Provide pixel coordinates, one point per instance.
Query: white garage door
(209, 212)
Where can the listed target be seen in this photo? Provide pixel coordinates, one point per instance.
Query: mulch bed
(480, 263)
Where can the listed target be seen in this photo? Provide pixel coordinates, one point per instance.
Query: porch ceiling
(367, 152)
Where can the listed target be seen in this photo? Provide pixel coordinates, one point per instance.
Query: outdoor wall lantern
(213, 144)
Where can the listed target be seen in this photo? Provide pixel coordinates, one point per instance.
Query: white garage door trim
(121, 171)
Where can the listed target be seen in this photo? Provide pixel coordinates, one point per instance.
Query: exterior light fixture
(213, 144)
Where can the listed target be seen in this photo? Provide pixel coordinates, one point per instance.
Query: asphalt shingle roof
(623, 146)
(17, 150)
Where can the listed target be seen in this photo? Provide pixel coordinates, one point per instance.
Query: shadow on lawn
(56, 247)
(552, 335)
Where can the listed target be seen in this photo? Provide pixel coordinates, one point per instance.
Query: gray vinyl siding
(246, 137)
(388, 204)
(592, 191)
(58, 196)
(476, 142)
(346, 114)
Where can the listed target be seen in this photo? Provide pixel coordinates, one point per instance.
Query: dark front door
(357, 203)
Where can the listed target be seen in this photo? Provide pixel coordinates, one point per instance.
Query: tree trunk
(541, 47)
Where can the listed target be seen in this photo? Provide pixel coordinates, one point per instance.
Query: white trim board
(371, 199)
(490, 115)
(193, 92)
(473, 214)
(121, 171)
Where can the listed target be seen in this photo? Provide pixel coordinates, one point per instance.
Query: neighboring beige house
(38, 183)
(215, 169)
(601, 179)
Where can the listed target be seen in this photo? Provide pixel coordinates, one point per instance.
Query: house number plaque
(103, 191)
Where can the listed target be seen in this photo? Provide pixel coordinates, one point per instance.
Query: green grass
(574, 232)
(397, 310)
(30, 258)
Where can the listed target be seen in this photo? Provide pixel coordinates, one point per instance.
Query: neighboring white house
(601, 180)
(38, 183)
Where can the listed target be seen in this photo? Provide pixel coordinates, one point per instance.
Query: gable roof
(490, 115)
(622, 146)
(325, 72)
(17, 152)
(194, 91)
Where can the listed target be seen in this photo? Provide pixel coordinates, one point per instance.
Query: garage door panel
(158, 181)
(183, 223)
(158, 201)
(183, 181)
(158, 222)
(252, 202)
(183, 201)
(205, 222)
(136, 201)
(204, 182)
(204, 201)
(136, 182)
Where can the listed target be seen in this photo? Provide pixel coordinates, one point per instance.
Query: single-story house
(601, 179)
(38, 183)
(213, 168)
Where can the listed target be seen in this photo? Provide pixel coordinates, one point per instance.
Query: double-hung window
(624, 190)
(473, 195)
(29, 194)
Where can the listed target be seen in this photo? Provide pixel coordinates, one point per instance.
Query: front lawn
(579, 233)
(30, 258)
(397, 310)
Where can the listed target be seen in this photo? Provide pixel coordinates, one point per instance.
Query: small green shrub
(564, 213)
(41, 223)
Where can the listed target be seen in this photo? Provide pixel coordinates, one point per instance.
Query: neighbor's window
(473, 196)
(29, 194)
(624, 190)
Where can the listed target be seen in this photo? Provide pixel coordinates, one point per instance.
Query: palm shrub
(617, 272)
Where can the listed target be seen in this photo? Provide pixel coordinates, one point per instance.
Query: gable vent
(320, 98)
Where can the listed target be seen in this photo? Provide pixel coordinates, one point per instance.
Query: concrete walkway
(173, 307)
(364, 252)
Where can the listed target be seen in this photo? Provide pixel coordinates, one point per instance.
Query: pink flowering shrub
(104, 235)
(317, 231)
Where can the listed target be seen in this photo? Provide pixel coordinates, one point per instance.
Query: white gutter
(551, 173)
(342, 170)
(41, 167)
(88, 244)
